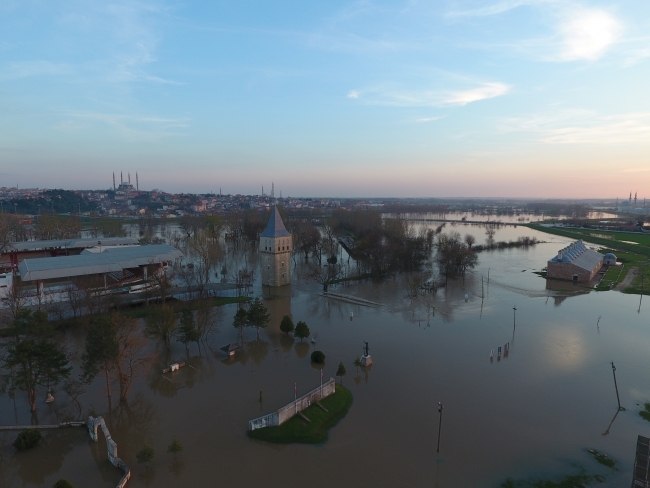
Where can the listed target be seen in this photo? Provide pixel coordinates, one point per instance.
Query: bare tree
(469, 240)
(130, 361)
(206, 317)
(207, 252)
(324, 275)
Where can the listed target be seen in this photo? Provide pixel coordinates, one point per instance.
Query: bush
(62, 484)
(27, 439)
(317, 357)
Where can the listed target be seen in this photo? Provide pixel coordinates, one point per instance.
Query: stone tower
(276, 245)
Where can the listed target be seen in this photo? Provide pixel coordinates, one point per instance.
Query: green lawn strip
(141, 312)
(643, 246)
(297, 430)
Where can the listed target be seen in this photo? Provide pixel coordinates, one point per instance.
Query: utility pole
(615, 385)
(514, 317)
(482, 289)
(440, 407)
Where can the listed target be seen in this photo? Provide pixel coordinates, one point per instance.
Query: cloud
(488, 90)
(584, 127)
(131, 126)
(434, 97)
(587, 34)
(353, 94)
(494, 9)
(423, 120)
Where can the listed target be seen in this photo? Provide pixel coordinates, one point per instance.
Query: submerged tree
(145, 455)
(130, 361)
(258, 316)
(175, 447)
(302, 330)
(286, 324)
(101, 351)
(187, 330)
(33, 363)
(340, 371)
(240, 321)
(161, 324)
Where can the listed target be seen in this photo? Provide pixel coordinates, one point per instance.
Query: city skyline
(510, 98)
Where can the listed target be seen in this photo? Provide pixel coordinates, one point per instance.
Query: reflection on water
(532, 412)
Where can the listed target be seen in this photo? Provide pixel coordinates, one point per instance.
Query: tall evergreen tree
(258, 316)
(240, 321)
(286, 325)
(101, 351)
(302, 330)
(33, 363)
(187, 330)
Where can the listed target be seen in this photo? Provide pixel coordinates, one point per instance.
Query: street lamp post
(514, 317)
(440, 407)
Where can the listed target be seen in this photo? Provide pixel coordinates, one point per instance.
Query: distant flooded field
(531, 413)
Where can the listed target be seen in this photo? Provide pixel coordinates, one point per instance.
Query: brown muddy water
(531, 414)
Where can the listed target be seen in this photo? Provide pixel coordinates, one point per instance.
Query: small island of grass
(298, 430)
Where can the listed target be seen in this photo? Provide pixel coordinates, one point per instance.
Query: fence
(285, 413)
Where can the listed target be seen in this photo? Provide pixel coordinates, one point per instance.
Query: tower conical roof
(275, 227)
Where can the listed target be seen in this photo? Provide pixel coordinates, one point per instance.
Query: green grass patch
(579, 480)
(297, 430)
(631, 255)
(603, 459)
(645, 413)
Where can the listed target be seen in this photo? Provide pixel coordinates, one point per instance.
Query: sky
(438, 98)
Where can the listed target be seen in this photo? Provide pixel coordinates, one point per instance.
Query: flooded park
(529, 412)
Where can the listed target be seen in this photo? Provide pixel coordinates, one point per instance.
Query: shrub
(286, 325)
(62, 484)
(27, 439)
(317, 357)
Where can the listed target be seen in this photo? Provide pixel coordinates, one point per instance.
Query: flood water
(530, 414)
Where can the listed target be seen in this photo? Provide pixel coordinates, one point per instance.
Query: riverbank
(298, 430)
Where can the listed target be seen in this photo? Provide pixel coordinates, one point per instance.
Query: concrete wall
(285, 413)
(565, 271)
(93, 424)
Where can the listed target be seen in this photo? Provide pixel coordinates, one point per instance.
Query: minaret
(122, 180)
(276, 245)
(272, 190)
(113, 180)
(137, 185)
(129, 177)
(634, 199)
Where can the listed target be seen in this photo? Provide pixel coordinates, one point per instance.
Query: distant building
(276, 245)
(632, 206)
(576, 262)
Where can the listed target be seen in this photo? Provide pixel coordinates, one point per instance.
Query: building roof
(579, 255)
(88, 263)
(275, 227)
(69, 243)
